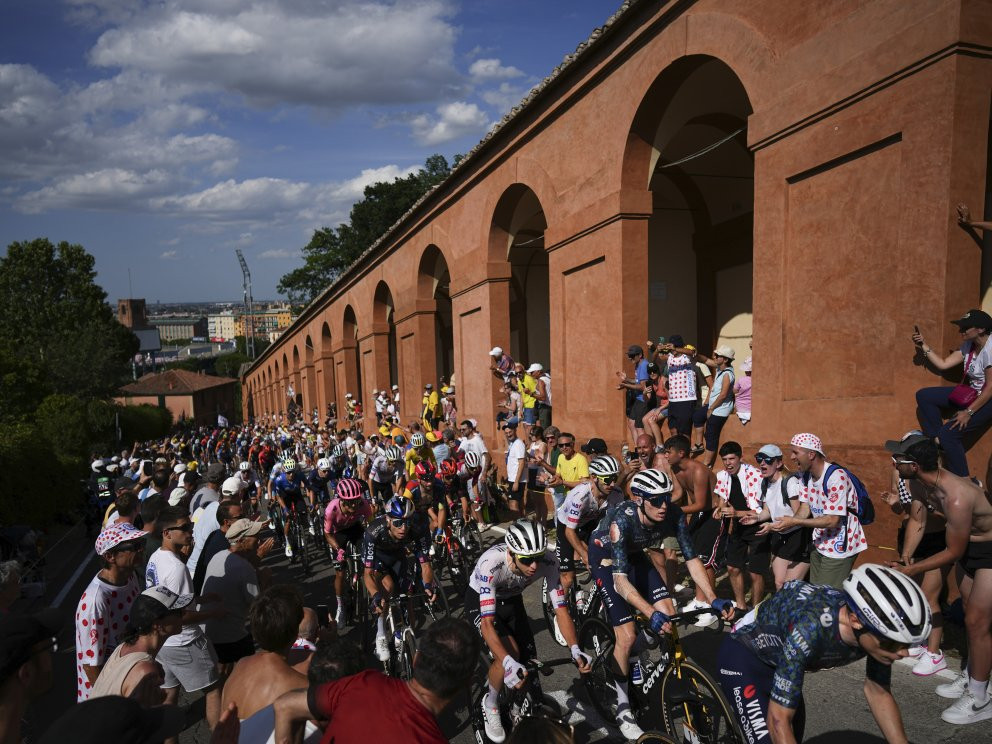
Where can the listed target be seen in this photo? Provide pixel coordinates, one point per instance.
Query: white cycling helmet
(650, 482)
(244, 466)
(604, 466)
(417, 440)
(232, 486)
(472, 460)
(524, 537)
(323, 464)
(96, 465)
(891, 603)
(289, 465)
(393, 454)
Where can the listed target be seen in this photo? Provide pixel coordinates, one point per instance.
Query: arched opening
(434, 283)
(326, 382)
(518, 238)
(691, 134)
(287, 382)
(350, 328)
(382, 313)
(310, 399)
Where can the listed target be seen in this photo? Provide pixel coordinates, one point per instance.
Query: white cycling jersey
(580, 507)
(494, 578)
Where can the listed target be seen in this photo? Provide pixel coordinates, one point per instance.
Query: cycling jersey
(632, 536)
(318, 484)
(424, 500)
(581, 507)
(798, 629)
(414, 456)
(289, 490)
(382, 471)
(337, 519)
(379, 543)
(494, 579)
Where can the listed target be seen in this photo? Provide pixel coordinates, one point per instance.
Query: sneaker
(929, 663)
(382, 648)
(679, 588)
(628, 726)
(289, 550)
(493, 722)
(339, 616)
(966, 710)
(953, 689)
(635, 672)
(915, 652)
(311, 530)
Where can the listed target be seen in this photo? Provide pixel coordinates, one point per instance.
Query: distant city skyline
(163, 136)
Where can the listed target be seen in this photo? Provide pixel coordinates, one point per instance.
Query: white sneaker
(953, 689)
(311, 530)
(628, 726)
(493, 722)
(915, 652)
(289, 550)
(382, 648)
(679, 588)
(929, 663)
(966, 710)
(339, 615)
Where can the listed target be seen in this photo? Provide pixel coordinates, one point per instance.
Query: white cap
(176, 496)
(535, 367)
(496, 351)
(347, 395)
(232, 486)
(179, 468)
(396, 387)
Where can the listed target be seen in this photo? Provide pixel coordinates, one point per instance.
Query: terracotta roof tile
(174, 382)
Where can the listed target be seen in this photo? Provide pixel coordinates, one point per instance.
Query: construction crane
(250, 317)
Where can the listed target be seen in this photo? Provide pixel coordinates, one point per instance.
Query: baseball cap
(244, 528)
(233, 486)
(117, 719)
(155, 603)
(123, 482)
(900, 446)
(215, 473)
(18, 633)
(770, 450)
(594, 446)
(634, 349)
(535, 367)
(396, 387)
(179, 468)
(808, 441)
(116, 534)
(496, 351)
(176, 496)
(974, 319)
(510, 423)
(428, 386)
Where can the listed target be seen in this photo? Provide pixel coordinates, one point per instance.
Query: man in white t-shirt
(830, 508)
(188, 658)
(104, 609)
(472, 442)
(516, 467)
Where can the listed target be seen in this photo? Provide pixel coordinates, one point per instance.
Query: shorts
(228, 653)
(699, 417)
(749, 552)
(792, 546)
(680, 416)
(392, 564)
(383, 492)
(510, 621)
(530, 415)
(930, 544)
(714, 425)
(637, 412)
(641, 573)
(707, 534)
(747, 684)
(301, 506)
(544, 415)
(353, 535)
(978, 555)
(193, 666)
(564, 550)
(516, 494)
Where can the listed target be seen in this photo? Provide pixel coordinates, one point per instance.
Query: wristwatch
(969, 412)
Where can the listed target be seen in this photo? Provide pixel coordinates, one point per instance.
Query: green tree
(261, 344)
(58, 319)
(331, 250)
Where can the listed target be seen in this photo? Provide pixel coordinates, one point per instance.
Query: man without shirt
(968, 513)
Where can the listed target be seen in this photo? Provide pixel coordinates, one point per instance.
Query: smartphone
(323, 616)
(146, 467)
(916, 328)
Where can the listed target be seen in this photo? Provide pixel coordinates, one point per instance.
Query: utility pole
(250, 318)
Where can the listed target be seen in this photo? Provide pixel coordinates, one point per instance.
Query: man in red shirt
(370, 706)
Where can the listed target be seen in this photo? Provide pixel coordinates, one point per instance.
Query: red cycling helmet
(348, 489)
(448, 468)
(425, 470)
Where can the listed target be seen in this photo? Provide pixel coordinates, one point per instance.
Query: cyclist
(384, 547)
(344, 524)
(428, 494)
(316, 482)
(630, 582)
(252, 483)
(494, 602)
(879, 613)
(580, 513)
(288, 490)
(419, 451)
(384, 471)
(467, 486)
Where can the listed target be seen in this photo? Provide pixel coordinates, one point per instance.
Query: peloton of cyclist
(579, 514)
(344, 524)
(419, 452)
(494, 602)
(803, 627)
(630, 582)
(428, 494)
(384, 472)
(288, 490)
(384, 547)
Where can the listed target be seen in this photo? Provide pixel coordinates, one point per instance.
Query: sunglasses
(129, 547)
(658, 500)
(764, 459)
(528, 560)
(399, 522)
(188, 527)
(607, 480)
(566, 444)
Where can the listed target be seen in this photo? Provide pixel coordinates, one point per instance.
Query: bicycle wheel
(596, 639)
(652, 737)
(440, 607)
(301, 539)
(458, 569)
(406, 655)
(694, 708)
(472, 543)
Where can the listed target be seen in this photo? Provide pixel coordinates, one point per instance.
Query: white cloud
(505, 97)
(280, 253)
(354, 188)
(491, 69)
(453, 120)
(101, 189)
(169, 255)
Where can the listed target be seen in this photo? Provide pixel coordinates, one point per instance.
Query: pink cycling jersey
(337, 519)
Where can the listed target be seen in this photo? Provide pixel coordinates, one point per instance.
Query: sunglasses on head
(898, 461)
(528, 560)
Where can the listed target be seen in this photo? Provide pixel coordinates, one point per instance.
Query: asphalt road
(836, 709)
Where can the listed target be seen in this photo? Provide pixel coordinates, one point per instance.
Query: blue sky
(163, 135)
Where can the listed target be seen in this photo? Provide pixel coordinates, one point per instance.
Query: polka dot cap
(116, 534)
(808, 441)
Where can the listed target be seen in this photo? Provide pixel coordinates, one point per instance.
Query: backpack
(784, 488)
(865, 510)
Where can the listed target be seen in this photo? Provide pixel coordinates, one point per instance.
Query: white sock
(979, 689)
(492, 697)
(339, 600)
(380, 627)
(623, 700)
